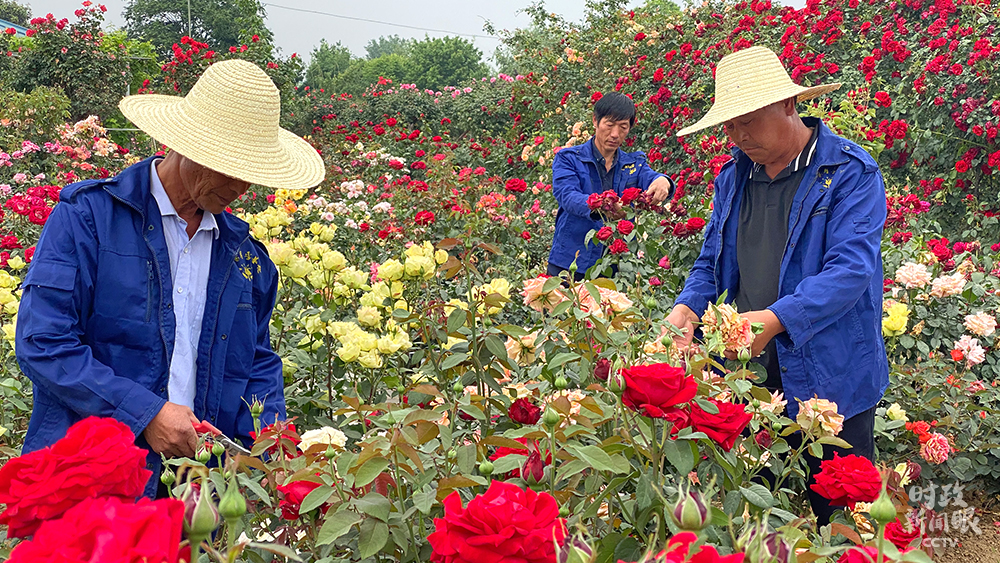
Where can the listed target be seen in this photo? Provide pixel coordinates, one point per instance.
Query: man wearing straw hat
(794, 240)
(146, 301)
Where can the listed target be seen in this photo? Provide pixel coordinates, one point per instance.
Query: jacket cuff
(793, 317)
(695, 302)
(138, 408)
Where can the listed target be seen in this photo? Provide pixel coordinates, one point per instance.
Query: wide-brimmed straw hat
(748, 80)
(228, 122)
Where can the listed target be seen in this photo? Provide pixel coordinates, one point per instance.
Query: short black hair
(617, 106)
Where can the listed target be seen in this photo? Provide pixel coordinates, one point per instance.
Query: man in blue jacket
(146, 301)
(794, 240)
(594, 167)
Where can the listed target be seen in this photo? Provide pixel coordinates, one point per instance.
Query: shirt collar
(800, 162)
(208, 222)
(599, 158)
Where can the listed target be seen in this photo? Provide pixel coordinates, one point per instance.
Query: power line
(381, 22)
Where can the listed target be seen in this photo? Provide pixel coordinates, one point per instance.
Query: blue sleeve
(58, 292)
(854, 230)
(647, 176)
(266, 380)
(700, 288)
(567, 187)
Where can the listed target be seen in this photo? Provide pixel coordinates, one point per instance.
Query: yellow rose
(370, 359)
(8, 332)
(281, 253)
(386, 345)
(369, 316)
(315, 228)
(894, 323)
(391, 270)
(16, 263)
(298, 268)
(896, 412)
(352, 277)
(334, 261)
(419, 267)
(348, 352)
(441, 256)
(367, 341)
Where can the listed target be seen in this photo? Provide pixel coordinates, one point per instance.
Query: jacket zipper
(149, 290)
(788, 239)
(218, 309)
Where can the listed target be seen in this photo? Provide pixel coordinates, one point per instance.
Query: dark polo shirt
(761, 238)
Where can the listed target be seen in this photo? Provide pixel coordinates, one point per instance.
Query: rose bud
(763, 439)
(200, 515)
(575, 550)
(691, 512)
(550, 418)
(616, 383)
(602, 368)
(533, 470)
(914, 471)
(883, 510)
(232, 505)
(486, 468)
(256, 408)
(523, 411)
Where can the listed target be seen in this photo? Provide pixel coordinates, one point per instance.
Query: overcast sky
(296, 31)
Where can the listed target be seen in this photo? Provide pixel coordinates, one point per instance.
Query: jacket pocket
(839, 349)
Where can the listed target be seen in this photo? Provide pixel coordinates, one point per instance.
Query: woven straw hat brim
(284, 160)
(723, 112)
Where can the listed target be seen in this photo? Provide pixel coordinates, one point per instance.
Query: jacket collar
(587, 149)
(830, 148)
(132, 186)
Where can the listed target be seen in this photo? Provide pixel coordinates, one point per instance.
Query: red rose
(97, 458)
(424, 218)
(678, 548)
(961, 166)
(419, 165)
(364, 227)
(640, 36)
(604, 233)
(282, 435)
(108, 529)
(625, 227)
(723, 427)
(900, 537)
(883, 99)
(847, 480)
(602, 368)
(524, 412)
(654, 388)
(618, 247)
(516, 185)
(695, 224)
(506, 523)
(525, 235)
(859, 554)
(504, 451)
(294, 493)
(630, 195)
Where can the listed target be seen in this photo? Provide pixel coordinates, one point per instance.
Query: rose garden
(449, 402)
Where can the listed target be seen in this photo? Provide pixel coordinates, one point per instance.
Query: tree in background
(445, 61)
(14, 12)
(326, 63)
(216, 22)
(388, 45)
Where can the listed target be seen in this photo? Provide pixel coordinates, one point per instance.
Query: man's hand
(171, 432)
(683, 318)
(659, 190)
(772, 328)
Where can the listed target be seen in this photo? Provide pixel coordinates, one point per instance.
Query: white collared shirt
(190, 260)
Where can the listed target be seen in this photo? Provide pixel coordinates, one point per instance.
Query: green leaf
(373, 536)
(370, 470)
(496, 347)
(599, 459)
(679, 455)
(424, 500)
(456, 319)
(374, 505)
(508, 463)
(277, 549)
(628, 550)
(758, 495)
(336, 525)
(316, 498)
(453, 360)
(561, 358)
(255, 487)
(551, 284)
(645, 494)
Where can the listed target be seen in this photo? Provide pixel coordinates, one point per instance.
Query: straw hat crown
(748, 80)
(228, 122)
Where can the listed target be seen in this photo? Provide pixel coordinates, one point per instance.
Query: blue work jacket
(95, 329)
(830, 283)
(574, 177)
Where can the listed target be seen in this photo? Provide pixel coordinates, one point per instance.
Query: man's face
(609, 134)
(762, 134)
(210, 190)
